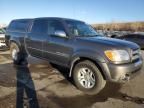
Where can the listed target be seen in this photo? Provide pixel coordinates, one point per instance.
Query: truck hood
(106, 42)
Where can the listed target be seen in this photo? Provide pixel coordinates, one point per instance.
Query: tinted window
(12, 26)
(55, 26)
(40, 26)
(21, 26)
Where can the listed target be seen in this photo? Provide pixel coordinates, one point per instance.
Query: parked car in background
(142, 33)
(136, 38)
(116, 34)
(101, 32)
(113, 34)
(2, 37)
(2, 33)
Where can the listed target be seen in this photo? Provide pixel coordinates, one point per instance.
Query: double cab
(92, 59)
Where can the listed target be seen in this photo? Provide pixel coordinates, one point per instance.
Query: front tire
(88, 78)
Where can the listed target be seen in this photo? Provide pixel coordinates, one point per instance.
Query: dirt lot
(43, 85)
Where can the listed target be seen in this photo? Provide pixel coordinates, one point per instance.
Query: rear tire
(16, 55)
(88, 78)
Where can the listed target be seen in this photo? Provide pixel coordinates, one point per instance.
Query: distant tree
(135, 26)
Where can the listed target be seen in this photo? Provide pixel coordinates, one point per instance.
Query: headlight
(117, 55)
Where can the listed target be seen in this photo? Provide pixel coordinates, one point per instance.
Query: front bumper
(122, 72)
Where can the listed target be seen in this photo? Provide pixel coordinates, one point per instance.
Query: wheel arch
(15, 41)
(18, 43)
(78, 59)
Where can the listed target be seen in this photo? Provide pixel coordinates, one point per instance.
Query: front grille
(135, 54)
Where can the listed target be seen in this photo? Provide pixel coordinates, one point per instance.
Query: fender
(86, 54)
(16, 40)
(94, 55)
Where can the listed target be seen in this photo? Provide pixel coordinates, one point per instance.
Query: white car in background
(2, 38)
(141, 33)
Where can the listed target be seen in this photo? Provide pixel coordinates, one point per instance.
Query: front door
(56, 48)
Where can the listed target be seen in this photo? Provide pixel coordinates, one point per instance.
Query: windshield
(78, 28)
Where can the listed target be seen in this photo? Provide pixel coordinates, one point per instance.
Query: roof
(58, 18)
(22, 19)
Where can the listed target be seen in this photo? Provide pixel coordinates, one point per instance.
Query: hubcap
(86, 78)
(14, 54)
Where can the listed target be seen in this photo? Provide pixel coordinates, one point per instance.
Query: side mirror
(60, 33)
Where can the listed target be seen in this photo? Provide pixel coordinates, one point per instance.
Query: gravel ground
(43, 85)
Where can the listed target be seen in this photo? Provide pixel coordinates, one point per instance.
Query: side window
(55, 26)
(12, 26)
(40, 26)
(20, 26)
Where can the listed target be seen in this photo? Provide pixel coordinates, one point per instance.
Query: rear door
(34, 39)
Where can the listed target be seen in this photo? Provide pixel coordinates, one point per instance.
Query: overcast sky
(91, 11)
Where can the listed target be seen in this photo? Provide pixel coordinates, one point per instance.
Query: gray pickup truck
(92, 59)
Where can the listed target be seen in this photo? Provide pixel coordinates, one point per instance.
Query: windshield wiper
(88, 35)
(92, 35)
